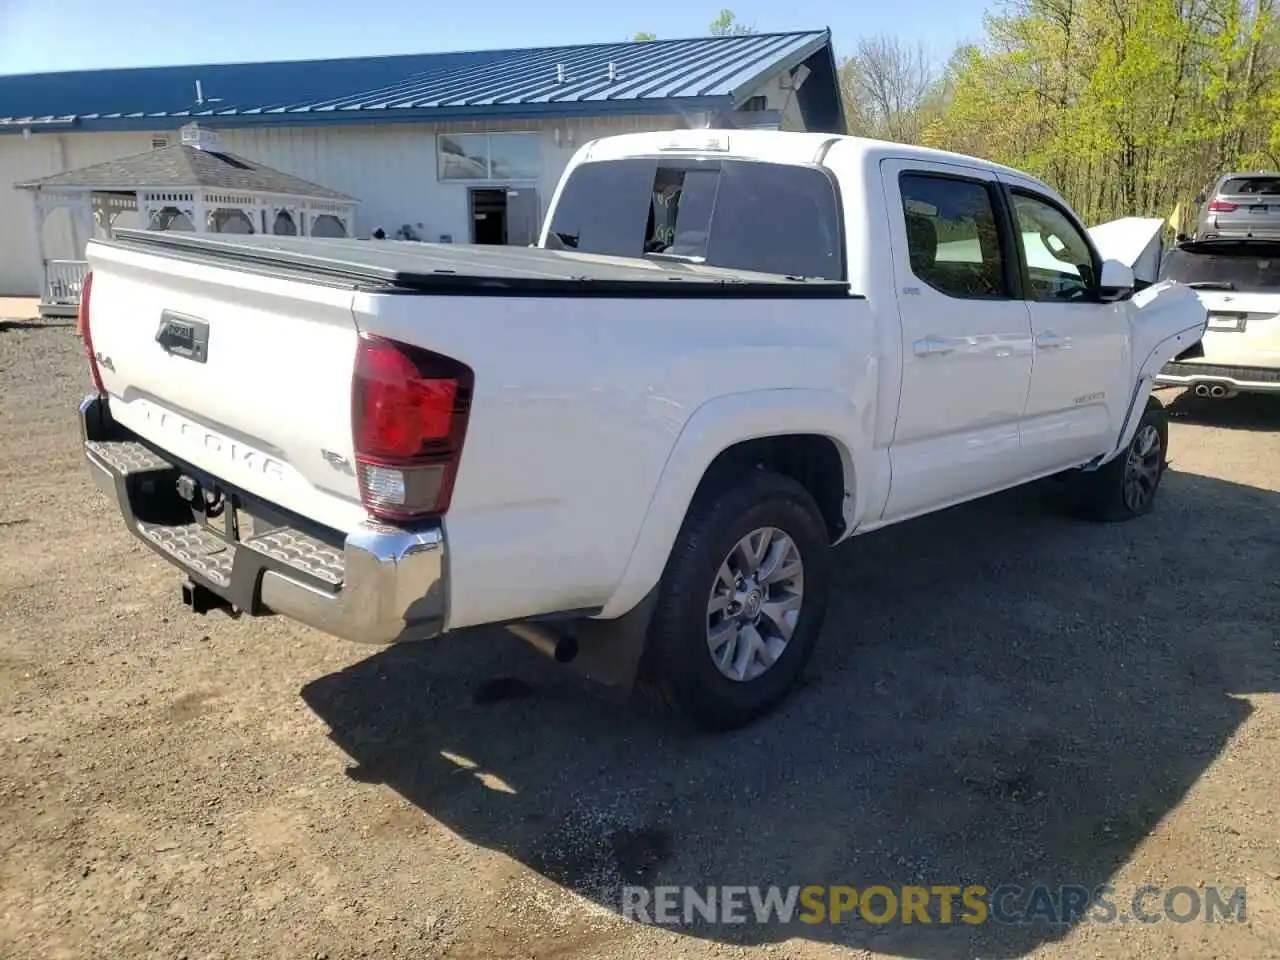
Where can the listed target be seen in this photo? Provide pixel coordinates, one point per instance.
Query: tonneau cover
(470, 268)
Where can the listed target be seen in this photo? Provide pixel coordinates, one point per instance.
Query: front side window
(952, 238)
(1059, 260)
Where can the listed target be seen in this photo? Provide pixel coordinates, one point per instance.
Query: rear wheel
(741, 602)
(1126, 487)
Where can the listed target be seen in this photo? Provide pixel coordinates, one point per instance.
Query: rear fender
(714, 427)
(1165, 320)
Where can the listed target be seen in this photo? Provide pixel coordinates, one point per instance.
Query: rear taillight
(1222, 206)
(86, 334)
(409, 410)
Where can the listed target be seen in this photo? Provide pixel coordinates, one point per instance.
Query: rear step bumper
(380, 584)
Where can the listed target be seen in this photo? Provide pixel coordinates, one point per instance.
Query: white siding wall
(390, 168)
(43, 155)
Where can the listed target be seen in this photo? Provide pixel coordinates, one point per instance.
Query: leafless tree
(887, 88)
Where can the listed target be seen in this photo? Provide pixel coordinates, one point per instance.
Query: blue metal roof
(661, 76)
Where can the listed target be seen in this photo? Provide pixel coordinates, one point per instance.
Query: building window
(490, 156)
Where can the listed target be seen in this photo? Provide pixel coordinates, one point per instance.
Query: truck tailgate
(242, 375)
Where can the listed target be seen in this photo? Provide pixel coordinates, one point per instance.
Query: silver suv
(1241, 206)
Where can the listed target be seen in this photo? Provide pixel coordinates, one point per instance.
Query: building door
(488, 216)
(524, 216)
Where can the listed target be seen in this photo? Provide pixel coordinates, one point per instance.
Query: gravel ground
(1002, 695)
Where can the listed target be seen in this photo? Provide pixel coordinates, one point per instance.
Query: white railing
(63, 280)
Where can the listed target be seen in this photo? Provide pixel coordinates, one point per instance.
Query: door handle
(931, 346)
(1051, 341)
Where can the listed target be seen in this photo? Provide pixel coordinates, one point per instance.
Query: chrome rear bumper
(378, 584)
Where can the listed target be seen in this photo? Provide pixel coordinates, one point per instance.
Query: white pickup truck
(633, 444)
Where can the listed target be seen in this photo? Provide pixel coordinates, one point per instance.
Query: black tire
(677, 672)
(1101, 495)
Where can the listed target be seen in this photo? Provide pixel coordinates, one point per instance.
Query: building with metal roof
(454, 147)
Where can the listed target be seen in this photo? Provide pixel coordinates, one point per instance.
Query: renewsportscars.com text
(941, 904)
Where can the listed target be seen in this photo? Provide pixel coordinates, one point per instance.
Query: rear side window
(952, 239)
(744, 215)
(1251, 185)
(1248, 267)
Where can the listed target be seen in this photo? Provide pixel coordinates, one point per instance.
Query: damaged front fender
(1165, 321)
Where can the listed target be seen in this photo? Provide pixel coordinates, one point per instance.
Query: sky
(37, 36)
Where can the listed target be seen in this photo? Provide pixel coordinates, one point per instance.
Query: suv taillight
(86, 333)
(1222, 206)
(409, 410)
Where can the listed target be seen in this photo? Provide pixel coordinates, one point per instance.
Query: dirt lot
(1002, 696)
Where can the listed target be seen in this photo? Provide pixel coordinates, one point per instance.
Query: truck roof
(777, 145)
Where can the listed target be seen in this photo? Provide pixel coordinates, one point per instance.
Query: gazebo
(189, 186)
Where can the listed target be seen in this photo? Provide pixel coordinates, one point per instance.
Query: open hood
(1137, 242)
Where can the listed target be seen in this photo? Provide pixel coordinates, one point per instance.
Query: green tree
(726, 24)
(644, 36)
(1128, 107)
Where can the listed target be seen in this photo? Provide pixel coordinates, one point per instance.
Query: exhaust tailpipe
(1217, 390)
(560, 649)
(1202, 390)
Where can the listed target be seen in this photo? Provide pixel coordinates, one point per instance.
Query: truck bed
(471, 269)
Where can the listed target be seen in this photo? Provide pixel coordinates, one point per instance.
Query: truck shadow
(1245, 411)
(1002, 696)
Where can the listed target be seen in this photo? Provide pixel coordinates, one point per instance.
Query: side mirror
(1117, 280)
